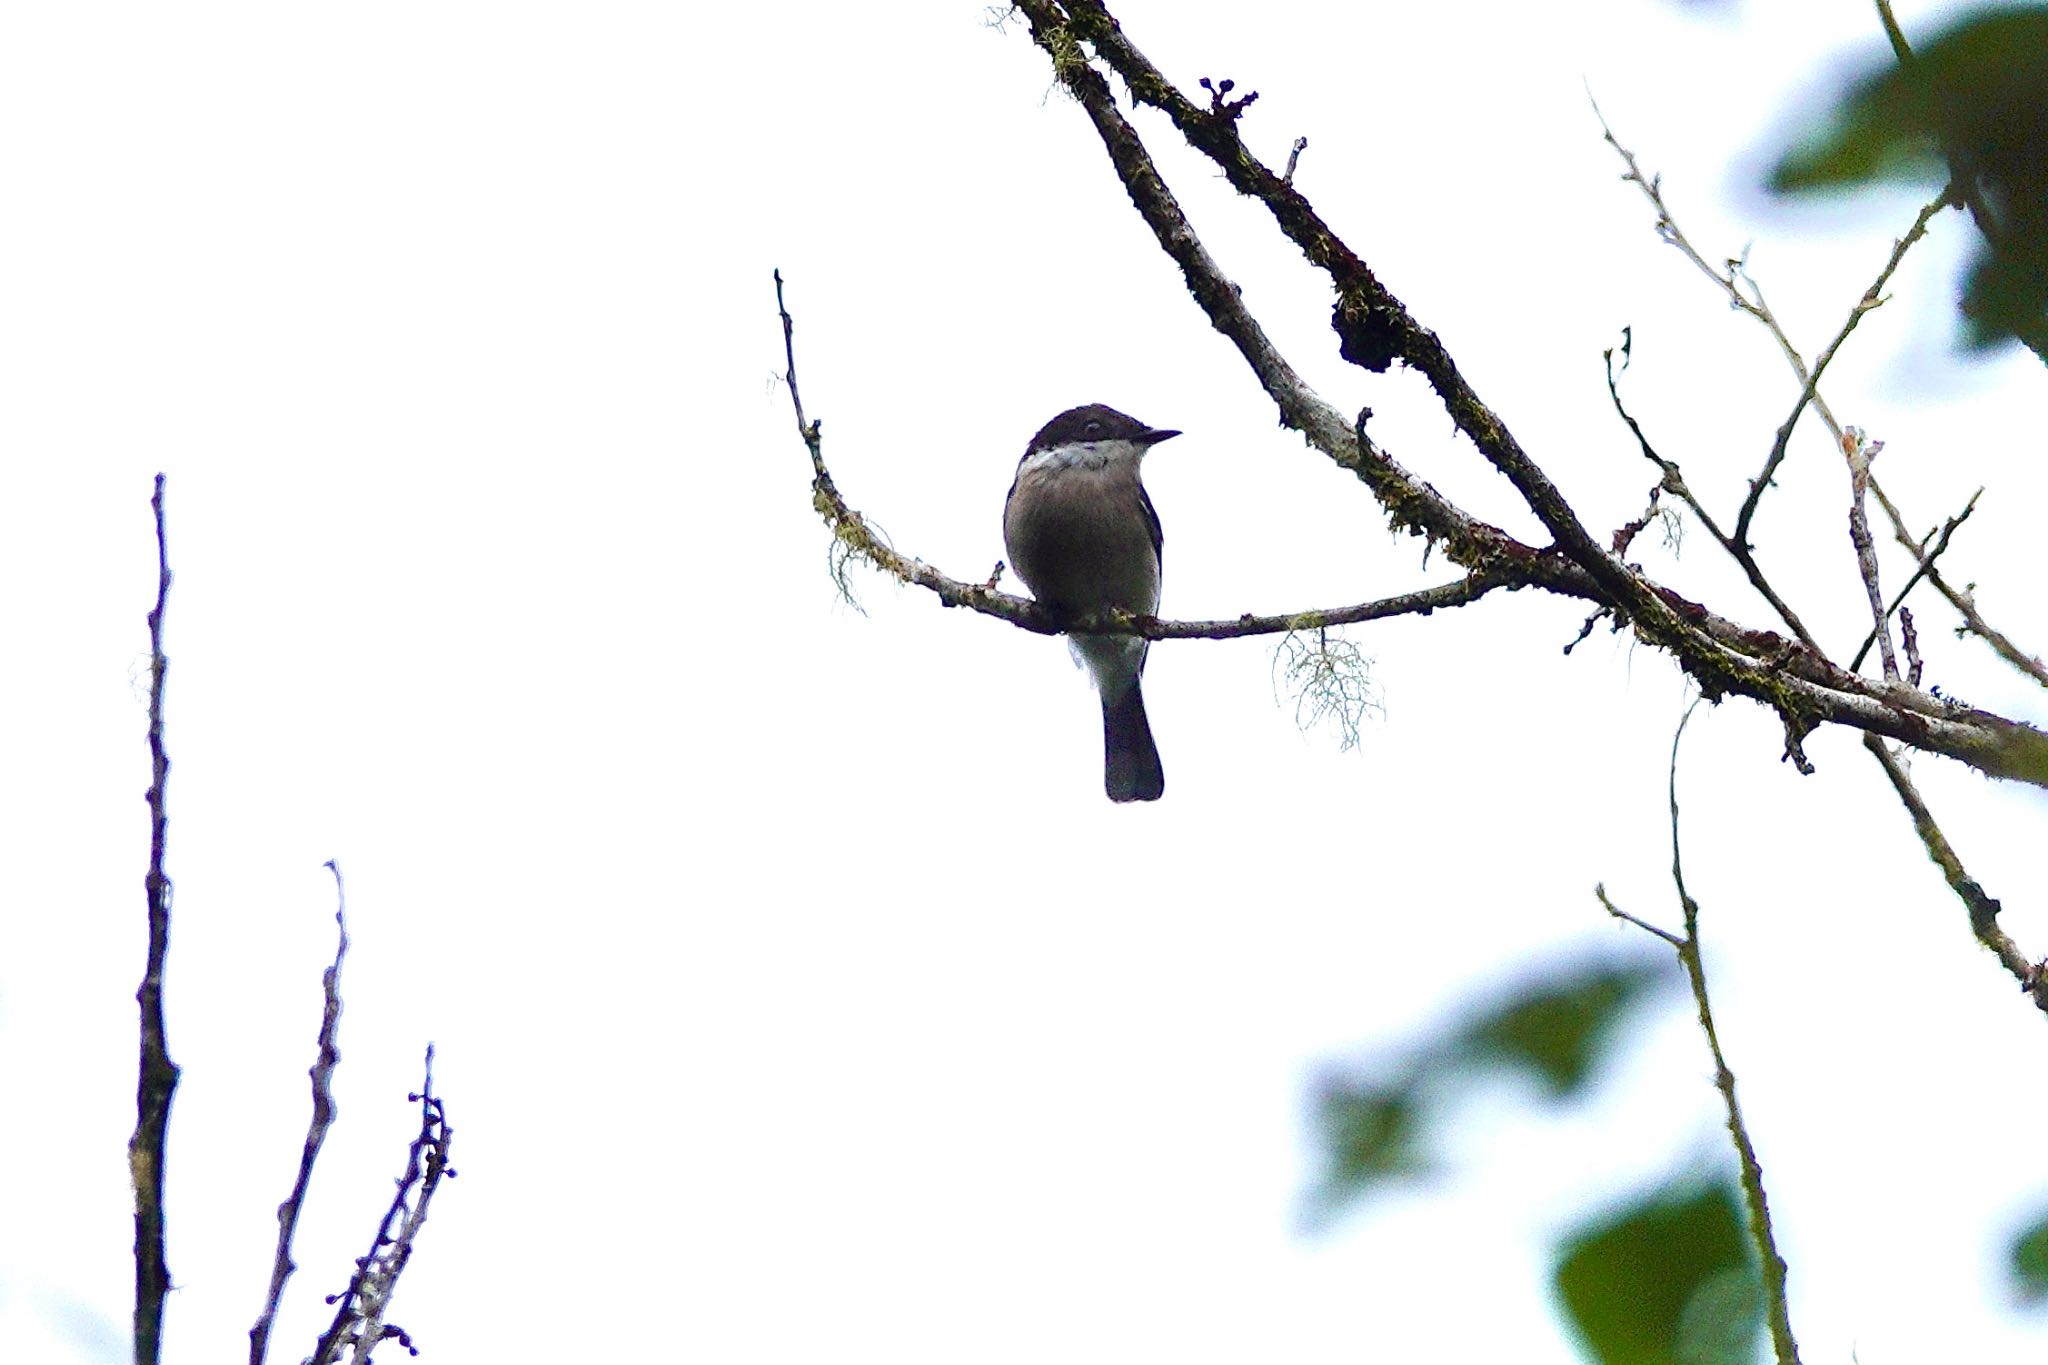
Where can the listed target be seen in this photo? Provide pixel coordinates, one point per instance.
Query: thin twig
(1731, 278)
(1926, 558)
(1674, 482)
(1892, 32)
(1585, 630)
(1293, 159)
(1961, 598)
(359, 1322)
(327, 1056)
(1687, 945)
(1600, 890)
(1873, 297)
(1859, 452)
(1625, 534)
(157, 1078)
(1745, 294)
(1422, 602)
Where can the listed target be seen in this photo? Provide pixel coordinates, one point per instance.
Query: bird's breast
(1080, 536)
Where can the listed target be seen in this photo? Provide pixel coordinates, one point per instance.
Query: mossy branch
(856, 540)
(1802, 686)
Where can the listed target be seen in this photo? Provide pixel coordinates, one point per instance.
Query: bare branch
(1625, 534)
(1674, 482)
(1983, 909)
(1687, 945)
(157, 1078)
(1892, 32)
(1600, 890)
(1586, 629)
(1744, 294)
(1860, 452)
(1422, 602)
(1731, 278)
(1293, 159)
(1873, 297)
(1760, 1231)
(360, 1321)
(1926, 558)
(1961, 599)
(1732, 281)
(327, 1056)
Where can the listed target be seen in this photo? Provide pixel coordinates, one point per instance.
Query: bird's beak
(1153, 438)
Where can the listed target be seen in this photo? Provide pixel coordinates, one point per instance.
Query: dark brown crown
(1094, 422)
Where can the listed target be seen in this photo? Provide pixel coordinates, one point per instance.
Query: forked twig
(1674, 482)
(1872, 297)
(1925, 567)
(360, 1323)
(1961, 599)
(1981, 907)
(1687, 946)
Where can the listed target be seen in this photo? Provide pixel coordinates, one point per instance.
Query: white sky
(798, 995)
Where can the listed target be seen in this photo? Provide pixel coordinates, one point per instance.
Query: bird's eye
(1093, 428)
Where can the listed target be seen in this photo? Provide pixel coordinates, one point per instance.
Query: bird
(1082, 534)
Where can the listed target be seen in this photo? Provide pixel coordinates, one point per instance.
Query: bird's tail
(1130, 760)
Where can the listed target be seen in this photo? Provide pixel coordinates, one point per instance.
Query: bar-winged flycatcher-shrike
(1083, 536)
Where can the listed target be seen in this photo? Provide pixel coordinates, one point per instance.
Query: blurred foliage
(2030, 1263)
(1558, 1033)
(1665, 1277)
(1381, 1125)
(1369, 1135)
(1665, 1280)
(1970, 107)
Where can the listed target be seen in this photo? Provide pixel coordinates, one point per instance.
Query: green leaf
(1382, 1124)
(1369, 1138)
(1979, 87)
(2006, 290)
(1666, 1280)
(1971, 105)
(1558, 1030)
(2030, 1263)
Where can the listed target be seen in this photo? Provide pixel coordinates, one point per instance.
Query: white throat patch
(1083, 455)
